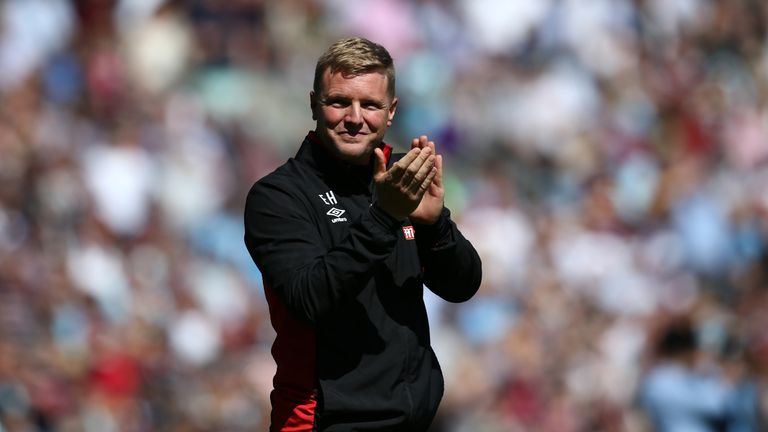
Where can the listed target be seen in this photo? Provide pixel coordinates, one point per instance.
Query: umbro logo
(336, 213)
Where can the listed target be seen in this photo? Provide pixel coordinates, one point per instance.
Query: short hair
(679, 337)
(355, 56)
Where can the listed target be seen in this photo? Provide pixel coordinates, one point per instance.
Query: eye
(336, 103)
(372, 106)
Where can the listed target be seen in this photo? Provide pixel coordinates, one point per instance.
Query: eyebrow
(340, 97)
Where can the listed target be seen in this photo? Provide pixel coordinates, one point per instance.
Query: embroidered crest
(409, 232)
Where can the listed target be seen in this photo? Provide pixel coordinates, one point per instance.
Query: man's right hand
(399, 189)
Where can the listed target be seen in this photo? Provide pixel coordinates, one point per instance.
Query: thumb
(379, 164)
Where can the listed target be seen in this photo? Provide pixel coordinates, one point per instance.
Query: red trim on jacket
(294, 398)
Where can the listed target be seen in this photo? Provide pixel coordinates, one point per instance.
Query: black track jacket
(344, 283)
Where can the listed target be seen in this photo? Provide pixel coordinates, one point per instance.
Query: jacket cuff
(438, 234)
(383, 219)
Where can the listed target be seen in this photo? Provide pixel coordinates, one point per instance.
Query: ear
(313, 104)
(392, 110)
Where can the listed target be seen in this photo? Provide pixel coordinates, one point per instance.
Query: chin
(356, 156)
(357, 152)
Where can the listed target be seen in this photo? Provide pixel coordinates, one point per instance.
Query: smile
(346, 136)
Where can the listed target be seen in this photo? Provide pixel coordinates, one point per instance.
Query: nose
(354, 114)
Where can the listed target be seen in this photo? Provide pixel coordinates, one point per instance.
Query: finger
(439, 176)
(399, 168)
(415, 166)
(424, 142)
(379, 164)
(424, 171)
(420, 142)
(428, 181)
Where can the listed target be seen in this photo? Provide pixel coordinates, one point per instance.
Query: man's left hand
(431, 205)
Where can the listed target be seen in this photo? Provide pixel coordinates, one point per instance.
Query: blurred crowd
(607, 158)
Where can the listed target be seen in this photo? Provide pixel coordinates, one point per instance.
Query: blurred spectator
(677, 396)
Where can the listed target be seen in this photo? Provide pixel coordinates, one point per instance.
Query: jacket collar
(313, 154)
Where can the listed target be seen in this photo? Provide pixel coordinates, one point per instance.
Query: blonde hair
(355, 56)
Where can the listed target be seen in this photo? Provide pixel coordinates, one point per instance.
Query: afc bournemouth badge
(409, 232)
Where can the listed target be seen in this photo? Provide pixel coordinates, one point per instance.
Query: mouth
(349, 136)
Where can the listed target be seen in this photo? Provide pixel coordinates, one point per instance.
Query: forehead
(372, 84)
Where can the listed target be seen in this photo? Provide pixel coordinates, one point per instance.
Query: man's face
(352, 114)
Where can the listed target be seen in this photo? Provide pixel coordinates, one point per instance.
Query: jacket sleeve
(452, 267)
(284, 242)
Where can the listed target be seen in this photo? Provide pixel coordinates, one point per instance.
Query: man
(675, 394)
(345, 239)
